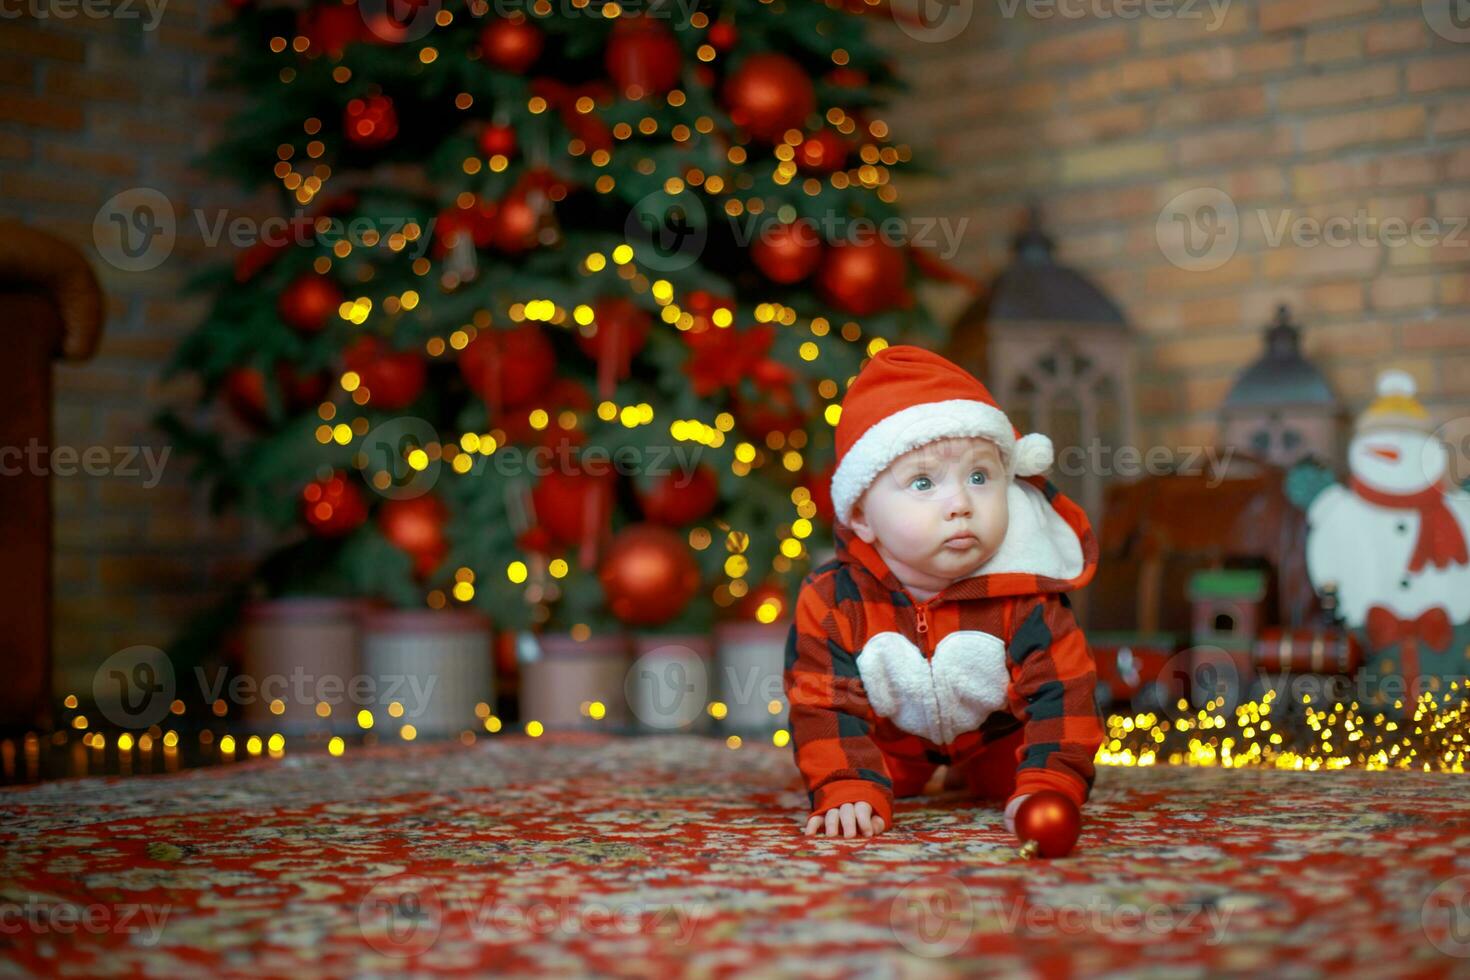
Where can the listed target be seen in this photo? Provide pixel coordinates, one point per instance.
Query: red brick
(1402, 292)
(14, 146)
(1075, 47)
(1265, 56)
(1363, 128)
(1442, 334)
(1357, 85)
(1326, 46)
(88, 85)
(1278, 15)
(40, 113)
(1204, 66)
(1216, 105)
(1157, 32)
(1229, 145)
(1437, 74)
(1396, 37)
(41, 44)
(1096, 126)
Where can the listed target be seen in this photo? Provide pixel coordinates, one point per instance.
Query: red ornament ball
(643, 57)
(562, 395)
(244, 392)
(648, 576)
(334, 506)
(765, 604)
(330, 27)
(787, 253)
(416, 526)
(393, 379)
(822, 152)
(572, 505)
(309, 302)
(722, 35)
(1050, 820)
(371, 121)
(497, 140)
(681, 498)
(769, 94)
(622, 328)
(862, 278)
(774, 411)
(512, 45)
(518, 221)
(508, 368)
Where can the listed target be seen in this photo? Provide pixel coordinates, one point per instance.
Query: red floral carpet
(593, 855)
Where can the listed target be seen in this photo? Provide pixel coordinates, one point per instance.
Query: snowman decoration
(1393, 541)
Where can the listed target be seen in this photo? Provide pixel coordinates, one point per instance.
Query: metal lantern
(1281, 409)
(1057, 354)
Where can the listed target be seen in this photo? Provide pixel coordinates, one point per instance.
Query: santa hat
(907, 397)
(1395, 408)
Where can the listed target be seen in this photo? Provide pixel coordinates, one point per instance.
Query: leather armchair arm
(35, 261)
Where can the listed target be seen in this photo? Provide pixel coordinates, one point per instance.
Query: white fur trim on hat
(919, 425)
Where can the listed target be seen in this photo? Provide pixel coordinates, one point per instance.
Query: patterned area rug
(597, 855)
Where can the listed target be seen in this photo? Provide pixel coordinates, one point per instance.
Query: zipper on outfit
(922, 610)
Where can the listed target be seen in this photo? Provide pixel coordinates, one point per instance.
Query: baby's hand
(853, 817)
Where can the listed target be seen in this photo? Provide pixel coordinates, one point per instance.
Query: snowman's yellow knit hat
(1396, 407)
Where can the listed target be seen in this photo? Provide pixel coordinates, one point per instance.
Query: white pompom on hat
(1397, 406)
(907, 397)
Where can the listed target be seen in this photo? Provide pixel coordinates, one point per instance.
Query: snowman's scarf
(1441, 542)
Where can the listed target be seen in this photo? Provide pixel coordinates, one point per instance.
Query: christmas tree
(561, 304)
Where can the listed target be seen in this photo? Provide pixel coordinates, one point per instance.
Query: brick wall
(90, 107)
(1320, 106)
(1304, 108)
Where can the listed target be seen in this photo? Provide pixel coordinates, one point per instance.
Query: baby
(941, 633)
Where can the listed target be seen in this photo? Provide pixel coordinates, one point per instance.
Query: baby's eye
(978, 477)
(921, 483)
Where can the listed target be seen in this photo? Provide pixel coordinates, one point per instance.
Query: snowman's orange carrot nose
(1389, 453)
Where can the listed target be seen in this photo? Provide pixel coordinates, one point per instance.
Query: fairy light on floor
(1432, 737)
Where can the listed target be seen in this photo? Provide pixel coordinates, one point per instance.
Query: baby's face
(937, 513)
